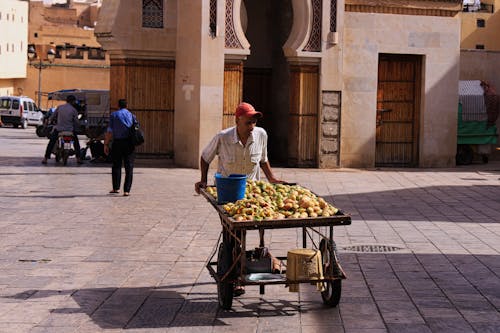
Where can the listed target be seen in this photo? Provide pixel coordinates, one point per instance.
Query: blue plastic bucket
(230, 189)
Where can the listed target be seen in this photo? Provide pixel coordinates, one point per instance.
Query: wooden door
(398, 104)
(303, 121)
(233, 90)
(148, 86)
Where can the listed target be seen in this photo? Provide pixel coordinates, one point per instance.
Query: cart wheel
(333, 289)
(224, 289)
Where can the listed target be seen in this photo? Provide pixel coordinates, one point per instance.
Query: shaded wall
(269, 24)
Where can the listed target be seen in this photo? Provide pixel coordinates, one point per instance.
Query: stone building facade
(80, 61)
(480, 26)
(341, 83)
(13, 44)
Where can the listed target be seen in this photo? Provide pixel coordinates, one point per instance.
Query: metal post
(39, 83)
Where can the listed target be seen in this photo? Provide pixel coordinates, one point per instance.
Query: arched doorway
(266, 78)
(272, 61)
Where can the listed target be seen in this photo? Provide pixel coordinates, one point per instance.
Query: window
(481, 23)
(36, 34)
(213, 18)
(333, 15)
(5, 103)
(25, 105)
(59, 50)
(73, 52)
(15, 104)
(93, 99)
(480, 46)
(152, 13)
(96, 53)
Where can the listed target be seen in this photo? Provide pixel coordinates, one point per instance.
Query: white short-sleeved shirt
(236, 158)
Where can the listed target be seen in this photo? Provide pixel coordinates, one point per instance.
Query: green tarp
(475, 131)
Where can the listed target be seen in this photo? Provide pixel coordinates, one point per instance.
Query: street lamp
(38, 63)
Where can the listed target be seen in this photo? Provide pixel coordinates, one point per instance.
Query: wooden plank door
(233, 91)
(398, 104)
(148, 86)
(303, 121)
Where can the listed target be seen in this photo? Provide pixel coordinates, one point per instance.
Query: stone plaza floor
(74, 258)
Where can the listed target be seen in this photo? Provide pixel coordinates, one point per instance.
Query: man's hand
(199, 185)
(106, 149)
(276, 181)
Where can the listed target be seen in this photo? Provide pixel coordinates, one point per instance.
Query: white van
(20, 111)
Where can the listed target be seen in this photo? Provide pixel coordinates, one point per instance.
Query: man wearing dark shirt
(122, 149)
(66, 120)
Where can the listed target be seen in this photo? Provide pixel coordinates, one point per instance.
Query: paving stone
(137, 264)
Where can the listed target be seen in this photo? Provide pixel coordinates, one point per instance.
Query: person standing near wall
(122, 149)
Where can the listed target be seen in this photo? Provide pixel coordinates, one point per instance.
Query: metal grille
(152, 13)
(314, 42)
(333, 15)
(231, 41)
(370, 248)
(213, 18)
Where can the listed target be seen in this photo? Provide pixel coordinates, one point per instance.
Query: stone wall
(330, 129)
(437, 39)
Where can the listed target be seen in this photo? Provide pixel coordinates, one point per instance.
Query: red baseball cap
(247, 110)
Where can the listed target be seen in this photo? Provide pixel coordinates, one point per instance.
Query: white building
(13, 44)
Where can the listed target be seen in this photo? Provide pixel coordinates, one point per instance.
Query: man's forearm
(266, 167)
(204, 169)
(107, 138)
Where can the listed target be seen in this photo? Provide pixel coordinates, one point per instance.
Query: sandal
(114, 192)
(126, 194)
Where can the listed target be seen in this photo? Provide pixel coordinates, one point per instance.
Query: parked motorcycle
(45, 129)
(65, 147)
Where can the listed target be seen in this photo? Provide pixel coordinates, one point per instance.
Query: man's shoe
(238, 291)
(79, 161)
(114, 192)
(44, 161)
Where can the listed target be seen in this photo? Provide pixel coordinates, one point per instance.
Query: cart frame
(232, 254)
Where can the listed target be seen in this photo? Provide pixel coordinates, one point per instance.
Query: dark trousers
(52, 142)
(122, 152)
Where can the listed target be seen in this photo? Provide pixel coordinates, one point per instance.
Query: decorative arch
(305, 35)
(235, 39)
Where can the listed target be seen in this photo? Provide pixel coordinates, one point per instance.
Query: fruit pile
(266, 201)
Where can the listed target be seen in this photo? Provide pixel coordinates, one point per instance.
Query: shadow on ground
(22, 161)
(155, 307)
(439, 203)
(409, 289)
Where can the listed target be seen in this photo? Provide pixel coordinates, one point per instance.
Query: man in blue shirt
(122, 149)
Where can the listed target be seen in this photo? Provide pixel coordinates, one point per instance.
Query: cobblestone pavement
(75, 259)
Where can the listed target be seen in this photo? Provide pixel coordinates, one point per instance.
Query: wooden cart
(230, 267)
